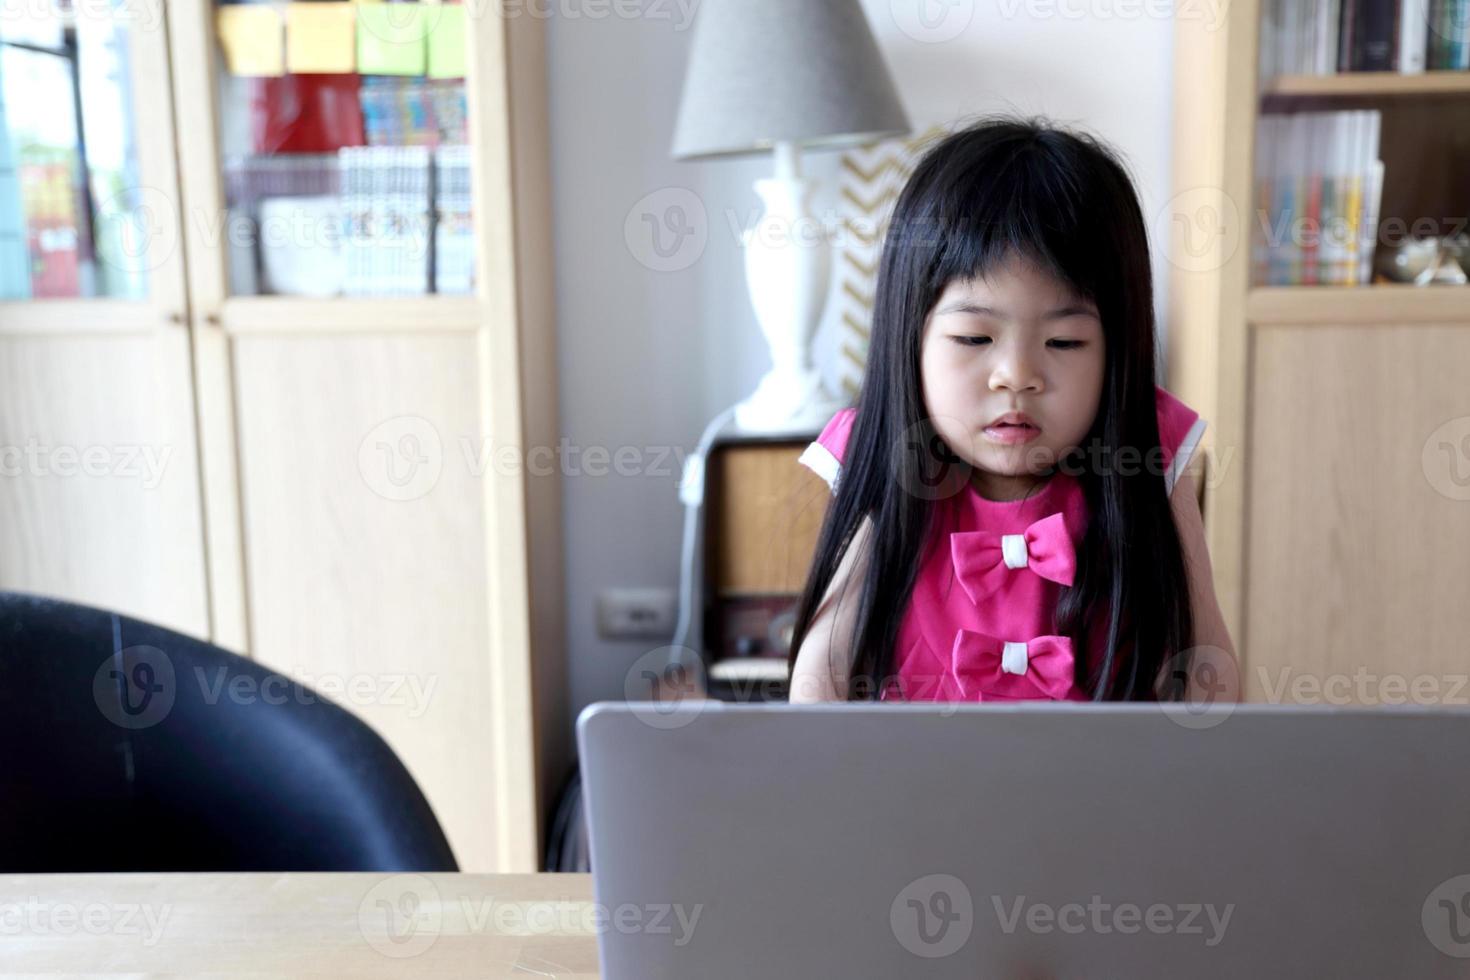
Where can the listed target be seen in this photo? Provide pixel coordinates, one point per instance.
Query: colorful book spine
(1449, 35)
(1265, 188)
(1318, 192)
(1460, 47)
(1311, 236)
(1353, 205)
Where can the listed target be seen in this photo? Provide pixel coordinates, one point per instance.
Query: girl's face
(1019, 340)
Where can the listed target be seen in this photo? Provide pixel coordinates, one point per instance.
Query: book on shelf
(454, 232)
(386, 215)
(1326, 37)
(1449, 35)
(1319, 188)
(402, 217)
(413, 111)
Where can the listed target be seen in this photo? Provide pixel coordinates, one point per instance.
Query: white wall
(648, 357)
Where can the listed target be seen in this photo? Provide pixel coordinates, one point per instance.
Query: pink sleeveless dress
(979, 625)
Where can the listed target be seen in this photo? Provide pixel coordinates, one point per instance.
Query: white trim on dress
(819, 459)
(1183, 455)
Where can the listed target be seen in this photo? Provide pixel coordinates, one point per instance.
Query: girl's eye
(1066, 344)
(971, 341)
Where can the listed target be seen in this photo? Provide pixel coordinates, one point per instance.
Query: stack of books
(1319, 189)
(412, 111)
(1324, 37)
(454, 230)
(252, 179)
(386, 215)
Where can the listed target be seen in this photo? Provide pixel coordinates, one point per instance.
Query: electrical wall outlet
(637, 614)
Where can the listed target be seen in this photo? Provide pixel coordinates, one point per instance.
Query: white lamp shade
(763, 72)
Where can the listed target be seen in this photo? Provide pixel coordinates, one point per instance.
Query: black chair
(128, 747)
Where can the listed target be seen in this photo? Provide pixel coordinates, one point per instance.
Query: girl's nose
(1015, 372)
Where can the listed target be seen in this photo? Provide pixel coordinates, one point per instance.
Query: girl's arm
(1211, 637)
(818, 674)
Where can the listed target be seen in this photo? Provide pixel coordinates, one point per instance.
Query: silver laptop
(1028, 841)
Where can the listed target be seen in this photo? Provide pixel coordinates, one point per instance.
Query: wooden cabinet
(1336, 508)
(103, 375)
(346, 498)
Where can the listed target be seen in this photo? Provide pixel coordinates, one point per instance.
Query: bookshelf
(279, 529)
(1375, 84)
(1330, 512)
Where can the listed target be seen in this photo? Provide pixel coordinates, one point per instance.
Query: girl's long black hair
(997, 188)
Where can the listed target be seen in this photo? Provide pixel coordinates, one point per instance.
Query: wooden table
(279, 925)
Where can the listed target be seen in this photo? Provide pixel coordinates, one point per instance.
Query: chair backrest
(128, 747)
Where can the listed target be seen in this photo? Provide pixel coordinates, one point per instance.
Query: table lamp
(781, 75)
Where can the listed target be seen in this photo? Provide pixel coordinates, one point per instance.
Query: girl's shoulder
(824, 456)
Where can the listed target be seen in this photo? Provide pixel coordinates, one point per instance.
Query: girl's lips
(1011, 434)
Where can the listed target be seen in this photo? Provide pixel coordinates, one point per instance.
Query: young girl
(1012, 517)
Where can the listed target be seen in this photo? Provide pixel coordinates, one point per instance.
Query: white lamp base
(788, 262)
(785, 402)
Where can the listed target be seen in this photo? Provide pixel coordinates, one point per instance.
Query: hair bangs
(1015, 205)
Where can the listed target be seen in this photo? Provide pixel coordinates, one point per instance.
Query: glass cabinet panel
(75, 219)
(344, 147)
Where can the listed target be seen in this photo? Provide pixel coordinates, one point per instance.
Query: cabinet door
(99, 489)
(1360, 513)
(359, 362)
